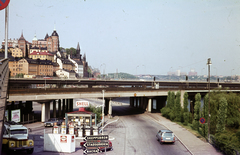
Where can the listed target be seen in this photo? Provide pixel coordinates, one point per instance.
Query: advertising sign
(63, 139)
(82, 103)
(15, 115)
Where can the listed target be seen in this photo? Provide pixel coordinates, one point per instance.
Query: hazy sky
(137, 36)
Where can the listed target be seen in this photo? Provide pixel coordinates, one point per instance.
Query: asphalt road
(133, 134)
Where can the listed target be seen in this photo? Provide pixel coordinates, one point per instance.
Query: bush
(226, 142)
(186, 118)
(165, 112)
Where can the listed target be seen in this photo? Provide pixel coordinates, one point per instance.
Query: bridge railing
(4, 76)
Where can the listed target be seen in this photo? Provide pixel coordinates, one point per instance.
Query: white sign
(82, 104)
(16, 115)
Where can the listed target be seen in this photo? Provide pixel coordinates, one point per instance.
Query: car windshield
(18, 131)
(168, 134)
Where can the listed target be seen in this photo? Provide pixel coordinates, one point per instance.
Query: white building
(65, 74)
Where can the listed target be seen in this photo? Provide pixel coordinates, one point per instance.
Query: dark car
(101, 149)
(51, 122)
(165, 136)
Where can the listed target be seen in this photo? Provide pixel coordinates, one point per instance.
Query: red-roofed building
(41, 55)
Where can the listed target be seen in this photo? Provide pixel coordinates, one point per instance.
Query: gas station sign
(82, 103)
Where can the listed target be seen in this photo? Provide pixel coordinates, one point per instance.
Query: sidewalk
(192, 143)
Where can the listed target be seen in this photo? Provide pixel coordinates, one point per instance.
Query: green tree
(166, 111)
(197, 111)
(95, 110)
(177, 107)
(71, 50)
(169, 99)
(185, 109)
(205, 116)
(222, 114)
(233, 114)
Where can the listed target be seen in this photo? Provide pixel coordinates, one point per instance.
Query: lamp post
(209, 63)
(103, 111)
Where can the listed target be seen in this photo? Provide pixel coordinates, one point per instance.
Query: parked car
(101, 149)
(165, 136)
(51, 122)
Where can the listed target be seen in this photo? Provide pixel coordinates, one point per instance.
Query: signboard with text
(15, 115)
(82, 103)
(93, 143)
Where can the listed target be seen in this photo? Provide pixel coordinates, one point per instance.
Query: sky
(137, 36)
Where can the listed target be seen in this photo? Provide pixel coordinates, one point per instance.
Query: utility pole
(6, 32)
(209, 63)
(103, 111)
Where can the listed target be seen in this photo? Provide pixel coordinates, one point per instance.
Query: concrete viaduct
(143, 94)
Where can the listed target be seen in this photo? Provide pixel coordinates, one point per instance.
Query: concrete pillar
(182, 97)
(135, 102)
(141, 103)
(149, 107)
(71, 105)
(45, 114)
(54, 109)
(110, 109)
(154, 104)
(138, 102)
(106, 108)
(59, 109)
(63, 108)
(131, 101)
(67, 105)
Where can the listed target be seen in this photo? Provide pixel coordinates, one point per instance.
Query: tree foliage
(222, 114)
(197, 111)
(177, 107)
(71, 50)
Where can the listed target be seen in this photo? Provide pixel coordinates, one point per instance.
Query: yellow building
(43, 55)
(28, 66)
(16, 52)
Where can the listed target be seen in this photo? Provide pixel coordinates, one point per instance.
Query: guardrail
(4, 76)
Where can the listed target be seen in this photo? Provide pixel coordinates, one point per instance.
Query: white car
(51, 122)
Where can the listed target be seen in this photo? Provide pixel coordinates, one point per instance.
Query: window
(18, 131)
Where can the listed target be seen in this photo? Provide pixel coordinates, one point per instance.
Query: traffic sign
(90, 151)
(96, 137)
(202, 120)
(94, 144)
(4, 4)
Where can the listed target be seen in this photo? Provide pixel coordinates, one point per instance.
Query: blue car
(165, 136)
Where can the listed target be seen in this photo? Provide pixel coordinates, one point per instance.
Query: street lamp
(209, 63)
(103, 111)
